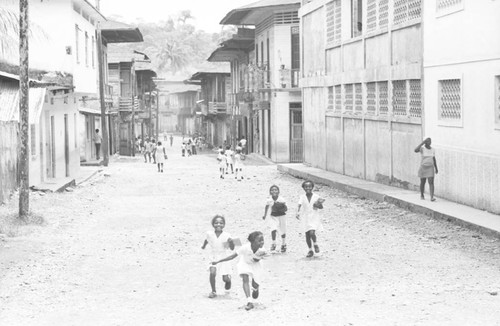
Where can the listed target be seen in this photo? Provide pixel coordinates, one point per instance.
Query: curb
(87, 178)
(370, 194)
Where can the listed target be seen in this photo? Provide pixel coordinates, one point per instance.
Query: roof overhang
(122, 35)
(256, 12)
(201, 75)
(90, 10)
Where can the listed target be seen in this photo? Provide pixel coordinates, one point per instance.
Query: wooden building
(271, 77)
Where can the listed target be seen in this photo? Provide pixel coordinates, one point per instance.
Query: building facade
(362, 88)
(461, 46)
(271, 78)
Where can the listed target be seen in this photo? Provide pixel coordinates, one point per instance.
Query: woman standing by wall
(428, 167)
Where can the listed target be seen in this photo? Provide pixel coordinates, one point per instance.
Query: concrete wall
(8, 159)
(461, 42)
(314, 108)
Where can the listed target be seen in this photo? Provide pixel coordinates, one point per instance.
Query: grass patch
(12, 226)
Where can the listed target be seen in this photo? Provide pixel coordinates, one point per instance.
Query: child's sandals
(249, 306)
(310, 254)
(283, 248)
(316, 248)
(255, 293)
(212, 295)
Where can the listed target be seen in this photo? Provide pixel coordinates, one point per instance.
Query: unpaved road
(124, 249)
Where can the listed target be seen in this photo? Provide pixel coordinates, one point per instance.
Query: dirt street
(124, 249)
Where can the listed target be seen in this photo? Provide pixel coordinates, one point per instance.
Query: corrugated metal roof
(9, 103)
(242, 15)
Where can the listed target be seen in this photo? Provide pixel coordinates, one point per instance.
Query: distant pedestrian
(428, 167)
(221, 246)
(229, 159)
(193, 147)
(183, 149)
(189, 147)
(161, 156)
(238, 165)
(97, 142)
(147, 151)
(243, 143)
(221, 157)
(277, 217)
(153, 150)
(249, 266)
(308, 211)
(171, 140)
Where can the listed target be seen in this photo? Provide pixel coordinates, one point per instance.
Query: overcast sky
(207, 13)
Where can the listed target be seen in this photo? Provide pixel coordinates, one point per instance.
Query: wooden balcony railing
(126, 103)
(289, 78)
(217, 108)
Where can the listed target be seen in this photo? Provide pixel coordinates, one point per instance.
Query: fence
(8, 159)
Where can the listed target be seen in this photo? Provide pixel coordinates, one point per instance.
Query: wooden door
(296, 141)
(125, 139)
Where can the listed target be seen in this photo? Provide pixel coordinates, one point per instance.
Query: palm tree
(9, 31)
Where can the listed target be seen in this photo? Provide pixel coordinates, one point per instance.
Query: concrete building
(362, 88)
(272, 75)
(461, 46)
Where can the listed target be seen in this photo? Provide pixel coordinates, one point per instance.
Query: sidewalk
(466, 216)
(61, 184)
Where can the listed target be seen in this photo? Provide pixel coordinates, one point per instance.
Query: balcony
(217, 108)
(126, 104)
(289, 78)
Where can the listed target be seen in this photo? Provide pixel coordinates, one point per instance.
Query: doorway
(296, 138)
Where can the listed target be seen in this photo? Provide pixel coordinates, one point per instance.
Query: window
(450, 100)
(93, 52)
(338, 98)
(415, 98)
(348, 99)
(86, 49)
(333, 22)
(331, 99)
(77, 43)
(445, 7)
(405, 10)
(371, 98)
(399, 98)
(383, 97)
(377, 14)
(358, 98)
(257, 55)
(357, 17)
(497, 101)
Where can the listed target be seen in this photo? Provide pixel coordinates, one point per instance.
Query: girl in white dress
(160, 155)
(249, 266)
(277, 217)
(229, 156)
(310, 204)
(238, 164)
(221, 245)
(221, 157)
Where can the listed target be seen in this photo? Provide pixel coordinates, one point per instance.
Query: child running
(229, 158)
(221, 157)
(160, 155)
(310, 204)
(220, 243)
(238, 164)
(249, 266)
(277, 218)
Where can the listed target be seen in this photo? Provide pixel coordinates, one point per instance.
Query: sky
(207, 13)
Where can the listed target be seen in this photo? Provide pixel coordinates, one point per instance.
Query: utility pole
(24, 195)
(104, 125)
(150, 129)
(157, 114)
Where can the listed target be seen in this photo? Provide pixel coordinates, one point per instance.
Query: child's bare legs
(311, 241)
(246, 289)
(273, 237)
(213, 273)
(221, 173)
(422, 187)
(227, 280)
(431, 187)
(283, 243)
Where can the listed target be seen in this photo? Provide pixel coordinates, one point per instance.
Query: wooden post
(104, 125)
(157, 114)
(24, 199)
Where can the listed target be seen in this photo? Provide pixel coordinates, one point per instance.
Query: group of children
(152, 150)
(249, 266)
(229, 159)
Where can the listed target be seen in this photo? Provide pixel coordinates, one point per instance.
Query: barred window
(330, 99)
(415, 98)
(383, 97)
(406, 10)
(338, 98)
(371, 98)
(333, 22)
(497, 101)
(377, 14)
(399, 98)
(448, 6)
(450, 99)
(348, 100)
(358, 103)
